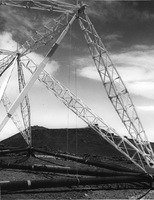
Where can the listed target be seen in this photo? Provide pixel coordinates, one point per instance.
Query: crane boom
(116, 90)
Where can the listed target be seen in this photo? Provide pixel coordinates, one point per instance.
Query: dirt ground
(109, 191)
(87, 194)
(87, 144)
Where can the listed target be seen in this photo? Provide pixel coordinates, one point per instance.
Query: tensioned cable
(143, 195)
(75, 87)
(76, 122)
(69, 84)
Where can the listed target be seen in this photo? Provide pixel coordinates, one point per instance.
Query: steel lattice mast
(116, 90)
(119, 96)
(26, 130)
(25, 108)
(24, 105)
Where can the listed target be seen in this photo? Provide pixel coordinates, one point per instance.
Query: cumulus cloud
(135, 67)
(146, 108)
(18, 25)
(138, 62)
(6, 42)
(112, 40)
(51, 67)
(144, 89)
(108, 10)
(89, 72)
(21, 23)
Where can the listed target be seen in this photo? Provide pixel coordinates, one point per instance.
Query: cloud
(86, 68)
(18, 25)
(112, 37)
(112, 40)
(6, 42)
(89, 72)
(115, 10)
(136, 67)
(144, 89)
(21, 23)
(51, 67)
(146, 108)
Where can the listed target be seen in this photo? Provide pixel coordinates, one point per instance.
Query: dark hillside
(77, 141)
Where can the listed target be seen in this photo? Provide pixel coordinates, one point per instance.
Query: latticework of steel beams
(24, 105)
(87, 115)
(16, 120)
(113, 83)
(5, 63)
(35, 75)
(116, 90)
(45, 34)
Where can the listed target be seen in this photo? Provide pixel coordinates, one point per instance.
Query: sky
(126, 29)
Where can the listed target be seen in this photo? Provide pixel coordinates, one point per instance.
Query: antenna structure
(139, 150)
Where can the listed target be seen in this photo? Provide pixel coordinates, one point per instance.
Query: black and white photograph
(76, 99)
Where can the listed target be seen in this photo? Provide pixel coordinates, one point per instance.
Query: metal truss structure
(138, 149)
(25, 105)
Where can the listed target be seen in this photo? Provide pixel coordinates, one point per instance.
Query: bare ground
(83, 143)
(109, 191)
